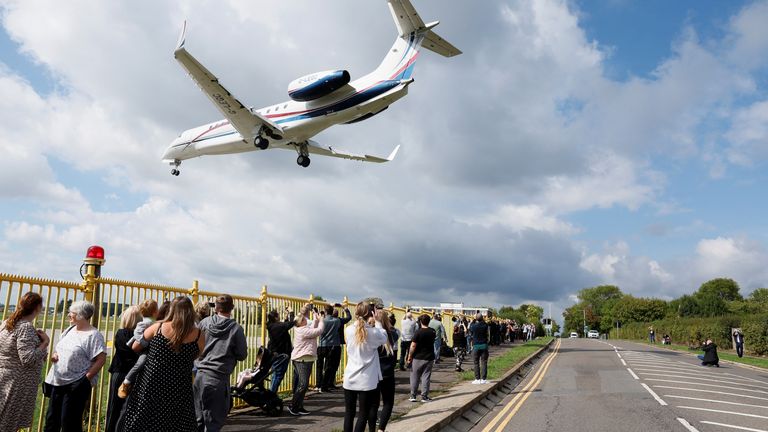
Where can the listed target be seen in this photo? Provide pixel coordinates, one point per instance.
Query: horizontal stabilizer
(435, 43)
(315, 148)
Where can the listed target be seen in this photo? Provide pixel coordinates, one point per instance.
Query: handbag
(48, 388)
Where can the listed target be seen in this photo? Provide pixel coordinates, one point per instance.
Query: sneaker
(412, 398)
(303, 412)
(292, 412)
(476, 382)
(458, 369)
(426, 399)
(124, 390)
(482, 381)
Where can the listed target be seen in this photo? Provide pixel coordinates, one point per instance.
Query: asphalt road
(591, 385)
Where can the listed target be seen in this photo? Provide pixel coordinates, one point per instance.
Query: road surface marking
(655, 396)
(698, 378)
(749, 379)
(733, 426)
(711, 391)
(724, 412)
(513, 406)
(617, 353)
(707, 385)
(683, 374)
(633, 374)
(623, 362)
(687, 425)
(716, 401)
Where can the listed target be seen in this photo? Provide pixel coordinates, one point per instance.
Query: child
(149, 312)
(245, 376)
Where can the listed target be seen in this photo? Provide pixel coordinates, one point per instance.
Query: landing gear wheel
(303, 160)
(175, 172)
(261, 143)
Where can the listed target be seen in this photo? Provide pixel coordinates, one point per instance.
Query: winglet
(182, 36)
(378, 159)
(392, 155)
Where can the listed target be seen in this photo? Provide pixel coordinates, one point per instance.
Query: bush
(694, 331)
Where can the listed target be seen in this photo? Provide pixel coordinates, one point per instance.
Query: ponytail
(362, 312)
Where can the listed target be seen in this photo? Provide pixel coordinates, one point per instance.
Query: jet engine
(317, 85)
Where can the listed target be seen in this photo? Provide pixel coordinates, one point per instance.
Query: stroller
(253, 391)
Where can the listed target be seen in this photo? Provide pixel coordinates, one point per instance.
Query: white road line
(633, 374)
(698, 378)
(618, 355)
(707, 385)
(733, 426)
(711, 391)
(716, 401)
(679, 372)
(655, 396)
(724, 412)
(746, 378)
(623, 362)
(687, 425)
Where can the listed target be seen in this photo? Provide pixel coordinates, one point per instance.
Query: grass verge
(498, 366)
(761, 362)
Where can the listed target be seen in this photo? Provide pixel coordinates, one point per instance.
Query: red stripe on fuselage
(209, 130)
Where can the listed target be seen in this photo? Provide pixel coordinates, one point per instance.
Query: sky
(574, 143)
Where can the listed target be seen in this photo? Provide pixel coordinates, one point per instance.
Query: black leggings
(367, 399)
(387, 391)
(66, 406)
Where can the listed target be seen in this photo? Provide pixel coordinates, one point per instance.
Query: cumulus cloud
(500, 147)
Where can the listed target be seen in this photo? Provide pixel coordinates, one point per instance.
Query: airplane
(318, 101)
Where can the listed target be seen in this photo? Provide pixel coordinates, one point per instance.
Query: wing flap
(315, 148)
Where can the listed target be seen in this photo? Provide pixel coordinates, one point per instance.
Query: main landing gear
(261, 143)
(175, 171)
(303, 159)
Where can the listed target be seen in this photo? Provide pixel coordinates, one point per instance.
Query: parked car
(574, 335)
(557, 334)
(593, 334)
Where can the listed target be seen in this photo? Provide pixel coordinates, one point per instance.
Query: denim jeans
(280, 367)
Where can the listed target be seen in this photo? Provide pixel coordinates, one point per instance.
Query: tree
(533, 313)
(597, 297)
(722, 288)
(688, 306)
(759, 295)
(375, 300)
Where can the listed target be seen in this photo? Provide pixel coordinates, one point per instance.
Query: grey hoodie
(225, 345)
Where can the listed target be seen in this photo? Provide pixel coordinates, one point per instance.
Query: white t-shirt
(76, 351)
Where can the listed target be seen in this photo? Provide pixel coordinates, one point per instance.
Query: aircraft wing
(245, 121)
(315, 148)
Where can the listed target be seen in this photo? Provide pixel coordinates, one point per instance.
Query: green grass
(752, 361)
(498, 366)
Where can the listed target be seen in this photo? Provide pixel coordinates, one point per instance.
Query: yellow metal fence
(112, 296)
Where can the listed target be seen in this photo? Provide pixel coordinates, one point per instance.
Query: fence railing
(112, 296)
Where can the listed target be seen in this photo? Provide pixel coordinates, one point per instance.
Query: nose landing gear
(175, 171)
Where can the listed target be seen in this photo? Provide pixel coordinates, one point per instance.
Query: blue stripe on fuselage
(357, 99)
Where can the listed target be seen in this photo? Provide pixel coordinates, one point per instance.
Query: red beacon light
(95, 256)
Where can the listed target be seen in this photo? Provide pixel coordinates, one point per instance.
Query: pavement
(327, 409)
(591, 385)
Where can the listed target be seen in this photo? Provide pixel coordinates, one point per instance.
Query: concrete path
(327, 409)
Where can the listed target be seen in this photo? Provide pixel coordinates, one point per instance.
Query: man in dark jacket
(738, 340)
(225, 345)
(329, 349)
(280, 343)
(710, 357)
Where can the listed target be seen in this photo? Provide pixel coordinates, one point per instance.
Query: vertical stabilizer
(409, 22)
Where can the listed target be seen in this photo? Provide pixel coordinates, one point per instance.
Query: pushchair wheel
(274, 409)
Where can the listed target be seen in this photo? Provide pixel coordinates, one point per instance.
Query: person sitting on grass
(710, 357)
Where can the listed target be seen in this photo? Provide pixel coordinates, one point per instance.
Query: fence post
(263, 300)
(195, 291)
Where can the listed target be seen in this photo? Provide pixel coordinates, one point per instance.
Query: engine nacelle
(317, 85)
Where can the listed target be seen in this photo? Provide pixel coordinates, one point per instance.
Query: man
(651, 335)
(225, 345)
(437, 325)
(329, 349)
(280, 343)
(409, 326)
(480, 337)
(421, 355)
(738, 340)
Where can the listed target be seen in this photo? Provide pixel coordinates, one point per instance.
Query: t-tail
(414, 34)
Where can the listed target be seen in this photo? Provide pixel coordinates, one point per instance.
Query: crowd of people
(172, 362)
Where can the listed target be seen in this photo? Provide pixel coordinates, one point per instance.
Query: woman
(386, 388)
(303, 356)
(22, 353)
(162, 397)
(363, 371)
(122, 362)
(77, 359)
(460, 344)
